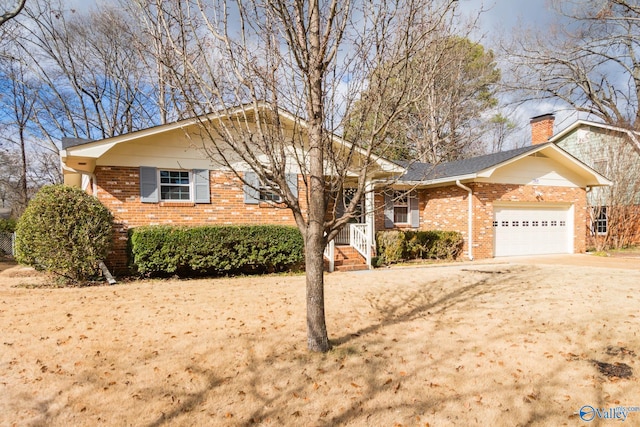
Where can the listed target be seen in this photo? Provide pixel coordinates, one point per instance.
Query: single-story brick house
(529, 200)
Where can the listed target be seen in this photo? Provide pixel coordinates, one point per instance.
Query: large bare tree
(589, 60)
(93, 83)
(66, 73)
(251, 60)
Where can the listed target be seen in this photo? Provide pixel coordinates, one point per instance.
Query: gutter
(469, 219)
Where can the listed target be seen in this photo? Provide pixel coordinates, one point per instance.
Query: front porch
(351, 249)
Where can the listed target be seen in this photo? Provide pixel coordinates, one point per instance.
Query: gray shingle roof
(425, 171)
(72, 142)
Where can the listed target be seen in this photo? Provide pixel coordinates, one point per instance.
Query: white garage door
(531, 231)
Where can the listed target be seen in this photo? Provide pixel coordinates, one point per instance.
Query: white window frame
(189, 185)
(401, 200)
(267, 194)
(600, 225)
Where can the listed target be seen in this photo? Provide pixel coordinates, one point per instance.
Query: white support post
(369, 207)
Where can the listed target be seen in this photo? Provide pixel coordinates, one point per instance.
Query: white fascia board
(579, 123)
(556, 151)
(99, 148)
(441, 181)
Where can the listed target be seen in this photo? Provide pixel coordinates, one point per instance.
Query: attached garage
(533, 230)
(525, 201)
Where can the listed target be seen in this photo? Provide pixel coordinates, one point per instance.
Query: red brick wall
(119, 190)
(446, 208)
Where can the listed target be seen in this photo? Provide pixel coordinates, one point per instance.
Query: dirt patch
(614, 370)
(508, 343)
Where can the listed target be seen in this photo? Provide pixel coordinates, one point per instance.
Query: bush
(64, 231)
(394, 246)
(7, 225)
(215, 250)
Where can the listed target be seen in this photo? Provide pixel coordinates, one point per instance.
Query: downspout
(470, 217)
(369, 205)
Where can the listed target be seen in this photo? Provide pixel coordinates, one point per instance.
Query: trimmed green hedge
(215, 250)
(395, 245)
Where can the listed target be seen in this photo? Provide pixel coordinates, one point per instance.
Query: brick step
(348, 261)
(347, 252)
(356, 267)
(347, 258)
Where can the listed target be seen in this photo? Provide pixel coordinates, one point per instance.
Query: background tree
(69, 73)
(313, 58)
(499, 129)
(453, 85)
(589, 60)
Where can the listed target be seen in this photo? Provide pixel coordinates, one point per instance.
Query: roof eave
(440, 181)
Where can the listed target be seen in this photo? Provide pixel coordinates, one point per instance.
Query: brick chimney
(541, 128)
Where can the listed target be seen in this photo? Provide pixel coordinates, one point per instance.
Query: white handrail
(359, 239)
(355, 235)
(330, 254)
(342, 238)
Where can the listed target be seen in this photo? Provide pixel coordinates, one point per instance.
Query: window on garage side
(600, 222)
(400, 207)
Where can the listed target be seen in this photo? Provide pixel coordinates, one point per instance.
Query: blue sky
(499, 18)
(506, 14)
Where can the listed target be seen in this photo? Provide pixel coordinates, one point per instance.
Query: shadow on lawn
(190, 401)
(397, 306)
(375, 383)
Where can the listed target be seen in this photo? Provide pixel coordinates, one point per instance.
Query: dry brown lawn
(515, 342)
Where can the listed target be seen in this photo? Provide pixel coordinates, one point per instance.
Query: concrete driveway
(631, 262)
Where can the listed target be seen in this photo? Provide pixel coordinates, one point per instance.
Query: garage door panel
(531, 231)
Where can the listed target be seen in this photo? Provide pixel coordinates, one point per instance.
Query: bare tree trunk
(317, 338)
(24, 187)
